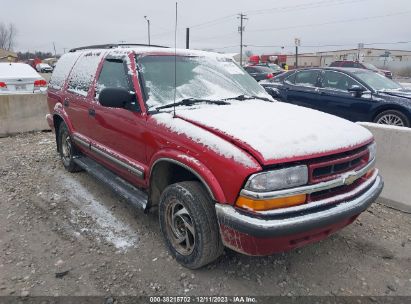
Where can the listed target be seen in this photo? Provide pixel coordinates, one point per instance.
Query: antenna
(175, 63)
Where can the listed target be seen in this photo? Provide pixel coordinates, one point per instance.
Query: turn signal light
(269, 204)
(3, 84)
(40, 83)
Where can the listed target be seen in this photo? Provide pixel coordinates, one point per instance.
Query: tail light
(3, 84)
(269, 76)
(40, 83)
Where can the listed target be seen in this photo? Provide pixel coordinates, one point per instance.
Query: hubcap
(391, 119)
(66, 148)
(180, 228)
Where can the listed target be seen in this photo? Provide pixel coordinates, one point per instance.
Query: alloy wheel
(180, 227)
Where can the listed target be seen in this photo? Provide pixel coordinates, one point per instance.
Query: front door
(119, 133)
(337, 100)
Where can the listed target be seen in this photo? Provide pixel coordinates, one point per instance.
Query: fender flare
(193, 165)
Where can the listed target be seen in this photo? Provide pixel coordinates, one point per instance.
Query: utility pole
(187, 38)
(241, 30)
(148, 29)
(297, 42)
(54, 47)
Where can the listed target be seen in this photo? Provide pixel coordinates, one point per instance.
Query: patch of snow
(108, 226)
(62, 69)
(205, 138)
(276, 130)
(189, 159)
(84, 71)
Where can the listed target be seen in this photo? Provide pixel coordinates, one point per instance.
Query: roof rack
(114, 45)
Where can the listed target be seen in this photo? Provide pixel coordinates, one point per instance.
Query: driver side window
(337, 81)
(114, 75)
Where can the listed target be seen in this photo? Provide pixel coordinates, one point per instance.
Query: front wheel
(392, 117)
(189, 224)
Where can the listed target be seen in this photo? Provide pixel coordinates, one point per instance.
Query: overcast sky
(321, 24)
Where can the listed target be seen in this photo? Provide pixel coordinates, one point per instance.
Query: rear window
(83, 72)
(62, 70)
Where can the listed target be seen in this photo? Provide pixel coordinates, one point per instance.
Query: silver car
(20, 78)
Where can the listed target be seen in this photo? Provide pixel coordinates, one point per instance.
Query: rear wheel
(189, 224)
(66, 148)
(392, 117)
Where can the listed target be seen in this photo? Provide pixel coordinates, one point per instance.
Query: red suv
(192, 135)
(361, 65)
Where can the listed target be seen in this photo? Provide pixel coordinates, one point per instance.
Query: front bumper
(237, 227)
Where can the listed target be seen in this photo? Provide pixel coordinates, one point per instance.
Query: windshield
(208, 78)
(377, 82)
(370, 66)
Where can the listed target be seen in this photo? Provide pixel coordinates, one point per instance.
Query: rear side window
(335, 64)
(62, 70)
(83, 72)
(306, 78)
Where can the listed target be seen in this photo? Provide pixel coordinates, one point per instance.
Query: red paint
(258, 246)
(138, 140)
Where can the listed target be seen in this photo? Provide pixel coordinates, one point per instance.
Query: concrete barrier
(394, 162)
(22, 113)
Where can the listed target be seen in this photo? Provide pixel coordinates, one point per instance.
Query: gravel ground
(65, 234)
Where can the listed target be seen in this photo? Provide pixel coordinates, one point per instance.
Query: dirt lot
(65, 234)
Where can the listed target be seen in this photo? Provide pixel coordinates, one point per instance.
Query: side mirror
(115, 97)
(357, 90)
(272, 91)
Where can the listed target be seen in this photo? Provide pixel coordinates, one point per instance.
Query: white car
(44, 68)
(20, 78)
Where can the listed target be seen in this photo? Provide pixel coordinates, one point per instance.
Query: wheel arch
(169, 169)
(387, 107)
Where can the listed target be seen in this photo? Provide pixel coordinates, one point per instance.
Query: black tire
(191, 206)
(392, 117)
(67, 149)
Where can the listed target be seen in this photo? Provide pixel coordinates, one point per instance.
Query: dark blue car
(353, 94)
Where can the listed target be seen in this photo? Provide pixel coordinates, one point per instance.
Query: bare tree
(7, 36)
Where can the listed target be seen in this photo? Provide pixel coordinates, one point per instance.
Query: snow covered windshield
(210, 78)
(377, 81)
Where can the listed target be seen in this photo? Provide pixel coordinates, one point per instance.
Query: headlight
(372, 149)
(278, 179)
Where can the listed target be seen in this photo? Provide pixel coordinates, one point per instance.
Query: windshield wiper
(246, 97)
(192, 101)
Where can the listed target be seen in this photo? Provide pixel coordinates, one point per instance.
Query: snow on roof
(148, 49)
(20, 70)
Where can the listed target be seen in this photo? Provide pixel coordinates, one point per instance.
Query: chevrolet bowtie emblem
(350, 178)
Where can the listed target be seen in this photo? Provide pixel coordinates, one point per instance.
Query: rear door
(119, 133)
(337, 100)
(76, 101)
(302, 88)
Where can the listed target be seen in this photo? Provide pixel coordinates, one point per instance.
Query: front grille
(331, 167)
(333, 192)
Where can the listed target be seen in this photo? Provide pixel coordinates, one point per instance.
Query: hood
(397, 93)
(275, 132)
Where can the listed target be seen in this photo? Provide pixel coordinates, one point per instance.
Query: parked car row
(351, 93)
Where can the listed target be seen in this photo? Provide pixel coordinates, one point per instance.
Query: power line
(331, 22)
(212, 22)
(305, 6)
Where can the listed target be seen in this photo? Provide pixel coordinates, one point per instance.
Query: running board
(133, 195)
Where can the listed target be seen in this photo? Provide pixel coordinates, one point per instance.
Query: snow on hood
(277, 131)
(206, 138)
